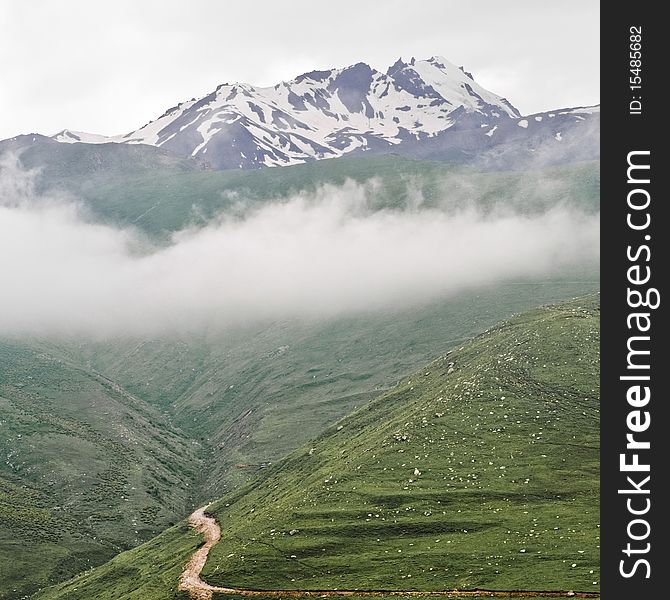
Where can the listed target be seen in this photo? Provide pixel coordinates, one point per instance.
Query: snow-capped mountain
(325, 114)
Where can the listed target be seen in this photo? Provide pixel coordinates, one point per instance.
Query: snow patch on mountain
(68, 136)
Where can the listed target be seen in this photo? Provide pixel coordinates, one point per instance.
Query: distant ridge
(425, 108)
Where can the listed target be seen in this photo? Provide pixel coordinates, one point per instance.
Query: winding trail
(198, 589)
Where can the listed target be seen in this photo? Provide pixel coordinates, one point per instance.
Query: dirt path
(199, 590)
(190, 578)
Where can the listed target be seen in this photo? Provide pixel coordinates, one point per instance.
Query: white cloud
(310, 256)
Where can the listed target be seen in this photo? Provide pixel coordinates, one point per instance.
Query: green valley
(480, 470)
(87, 471)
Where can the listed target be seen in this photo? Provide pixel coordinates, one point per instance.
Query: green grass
(160, 198)
(507, 447)
(86, 472)
(504, 431)
(149, 572)
(253, 395)
(70, 455)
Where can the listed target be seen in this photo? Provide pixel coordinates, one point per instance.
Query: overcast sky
(110, 66)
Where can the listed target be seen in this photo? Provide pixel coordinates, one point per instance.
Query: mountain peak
(438, 61)
(326, 114)
(398, 65)
(395, 67)
(437, 78)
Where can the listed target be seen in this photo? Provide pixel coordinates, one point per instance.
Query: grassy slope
(86, 471)
(253, 396)
(160, 200)
(328, 370)
(504, 434)
(74, 163)
(509, 438)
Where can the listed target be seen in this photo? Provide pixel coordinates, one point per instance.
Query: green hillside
(82, 421)
(56, 161)
(159, 197)
(237, 401)
(251, 396)
(87, 470)
(478, 471)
